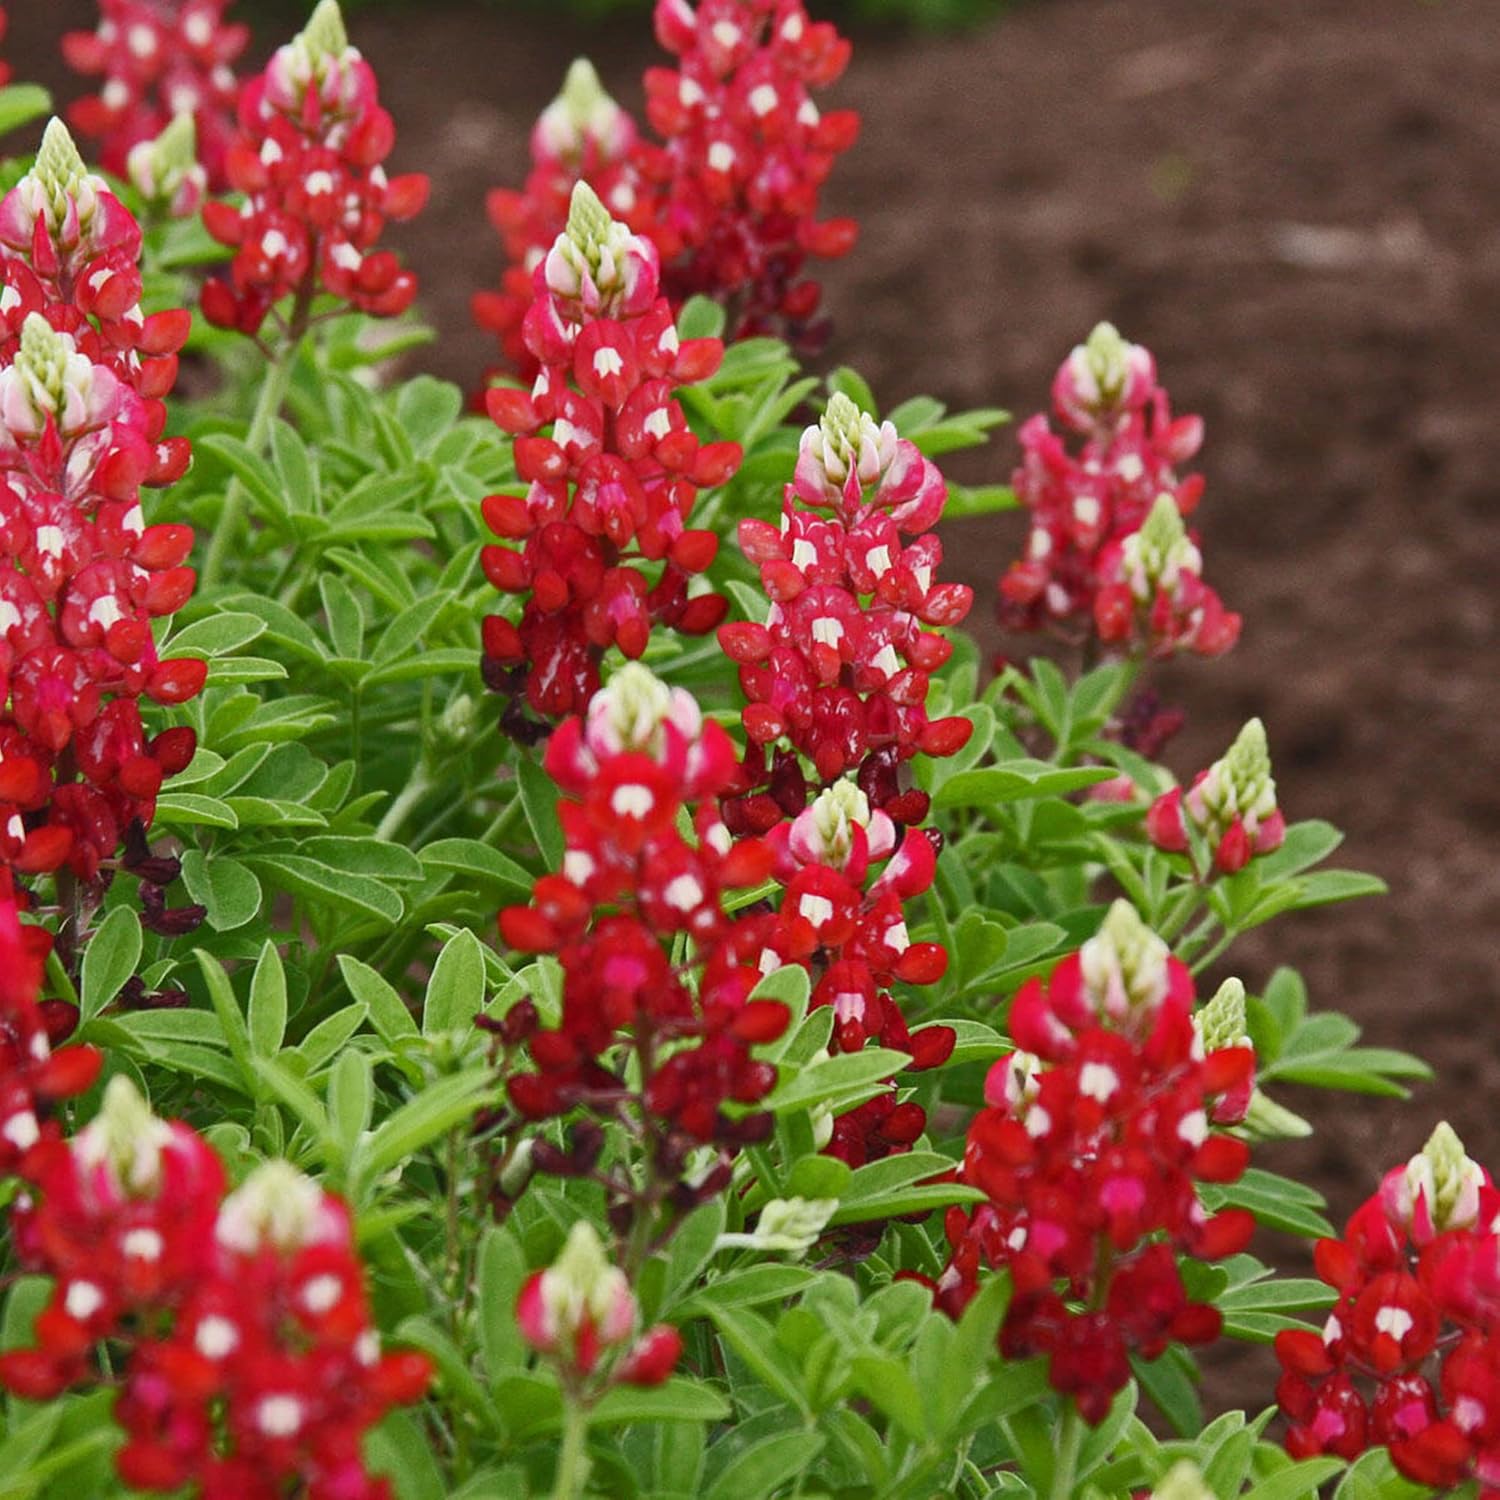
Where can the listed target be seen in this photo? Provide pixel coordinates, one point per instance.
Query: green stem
(573, 1460)
(268, 406)
(1069, 1442)
(406, 799)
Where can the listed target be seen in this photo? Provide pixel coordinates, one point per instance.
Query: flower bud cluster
(82, 373)
(840, 668)
(1410, 1355)
(32, 1076)
(580, 1312)
(253, 1365)
(729, 195)
(1094, 1137)
(1108, 553)
(1231, 806)
(630, 884)
(160, 61)
(612, 479)
(309, 159)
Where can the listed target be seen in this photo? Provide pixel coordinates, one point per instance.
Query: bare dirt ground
(1296, 205)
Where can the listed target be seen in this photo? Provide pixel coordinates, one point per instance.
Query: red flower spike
(1410, 1355)
(309, 157)
(730, 197)
(252, 1351)
(630, 883)
(1099, 1135)
(86, 575)
(612, 484)
(159, 59)
(1108, 553)
(839, 667)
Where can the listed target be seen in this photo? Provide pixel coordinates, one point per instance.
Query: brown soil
(1292, 203)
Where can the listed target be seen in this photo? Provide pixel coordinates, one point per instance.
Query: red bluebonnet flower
(1089, 1149)
(1410, 1355)
(746, 153)
(613, 479)
(850, 935)
(81, 376)
(32, 1075)
(729, 196)
(159, 59)
(631, 882)
(308, 158)
(580, 1311)
(253, 1365)
(1231, 807)
(5, 68)
(582, 136)
(1108, 553)
(840, 668)
(120, 1218)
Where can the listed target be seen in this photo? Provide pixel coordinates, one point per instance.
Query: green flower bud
(1125, 964)
(1183, 1481)
(1221, 1023)
(127, 1138)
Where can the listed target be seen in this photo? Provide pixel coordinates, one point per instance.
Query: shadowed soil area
(1294, 204)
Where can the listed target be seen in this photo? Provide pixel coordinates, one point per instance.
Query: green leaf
(218, 635)
(195, 808)
(1015, 781)
(749, 1335)
(476, 861)
(257, 476)
(676, 1400)
(20, 104)
(1296, 1480)
(420, 1121)
(321, 883)
(539, 802)
(388, 1013)
(346, 620)
(231, 1018)
(502, 1270)
(399, 1449)
(455, 992)
(267, 1016)
(351, 1096)
(762, 1468)
(700, 318)
(225, 888)
(110, 960)
(836, 1081)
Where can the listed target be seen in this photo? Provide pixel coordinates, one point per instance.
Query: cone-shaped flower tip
(1108, 356)
(847, 440)
(582, 115)
(1221, 1023)
(1124, 964)
(1441, 1184)
(1248, 760)
(325, 34)
(1183, 1481)
(276, 1206)
(1163, 529)
(126, 1138)
(59, 169)
(589, 221)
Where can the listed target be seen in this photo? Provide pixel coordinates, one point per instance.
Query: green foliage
(351, 823)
